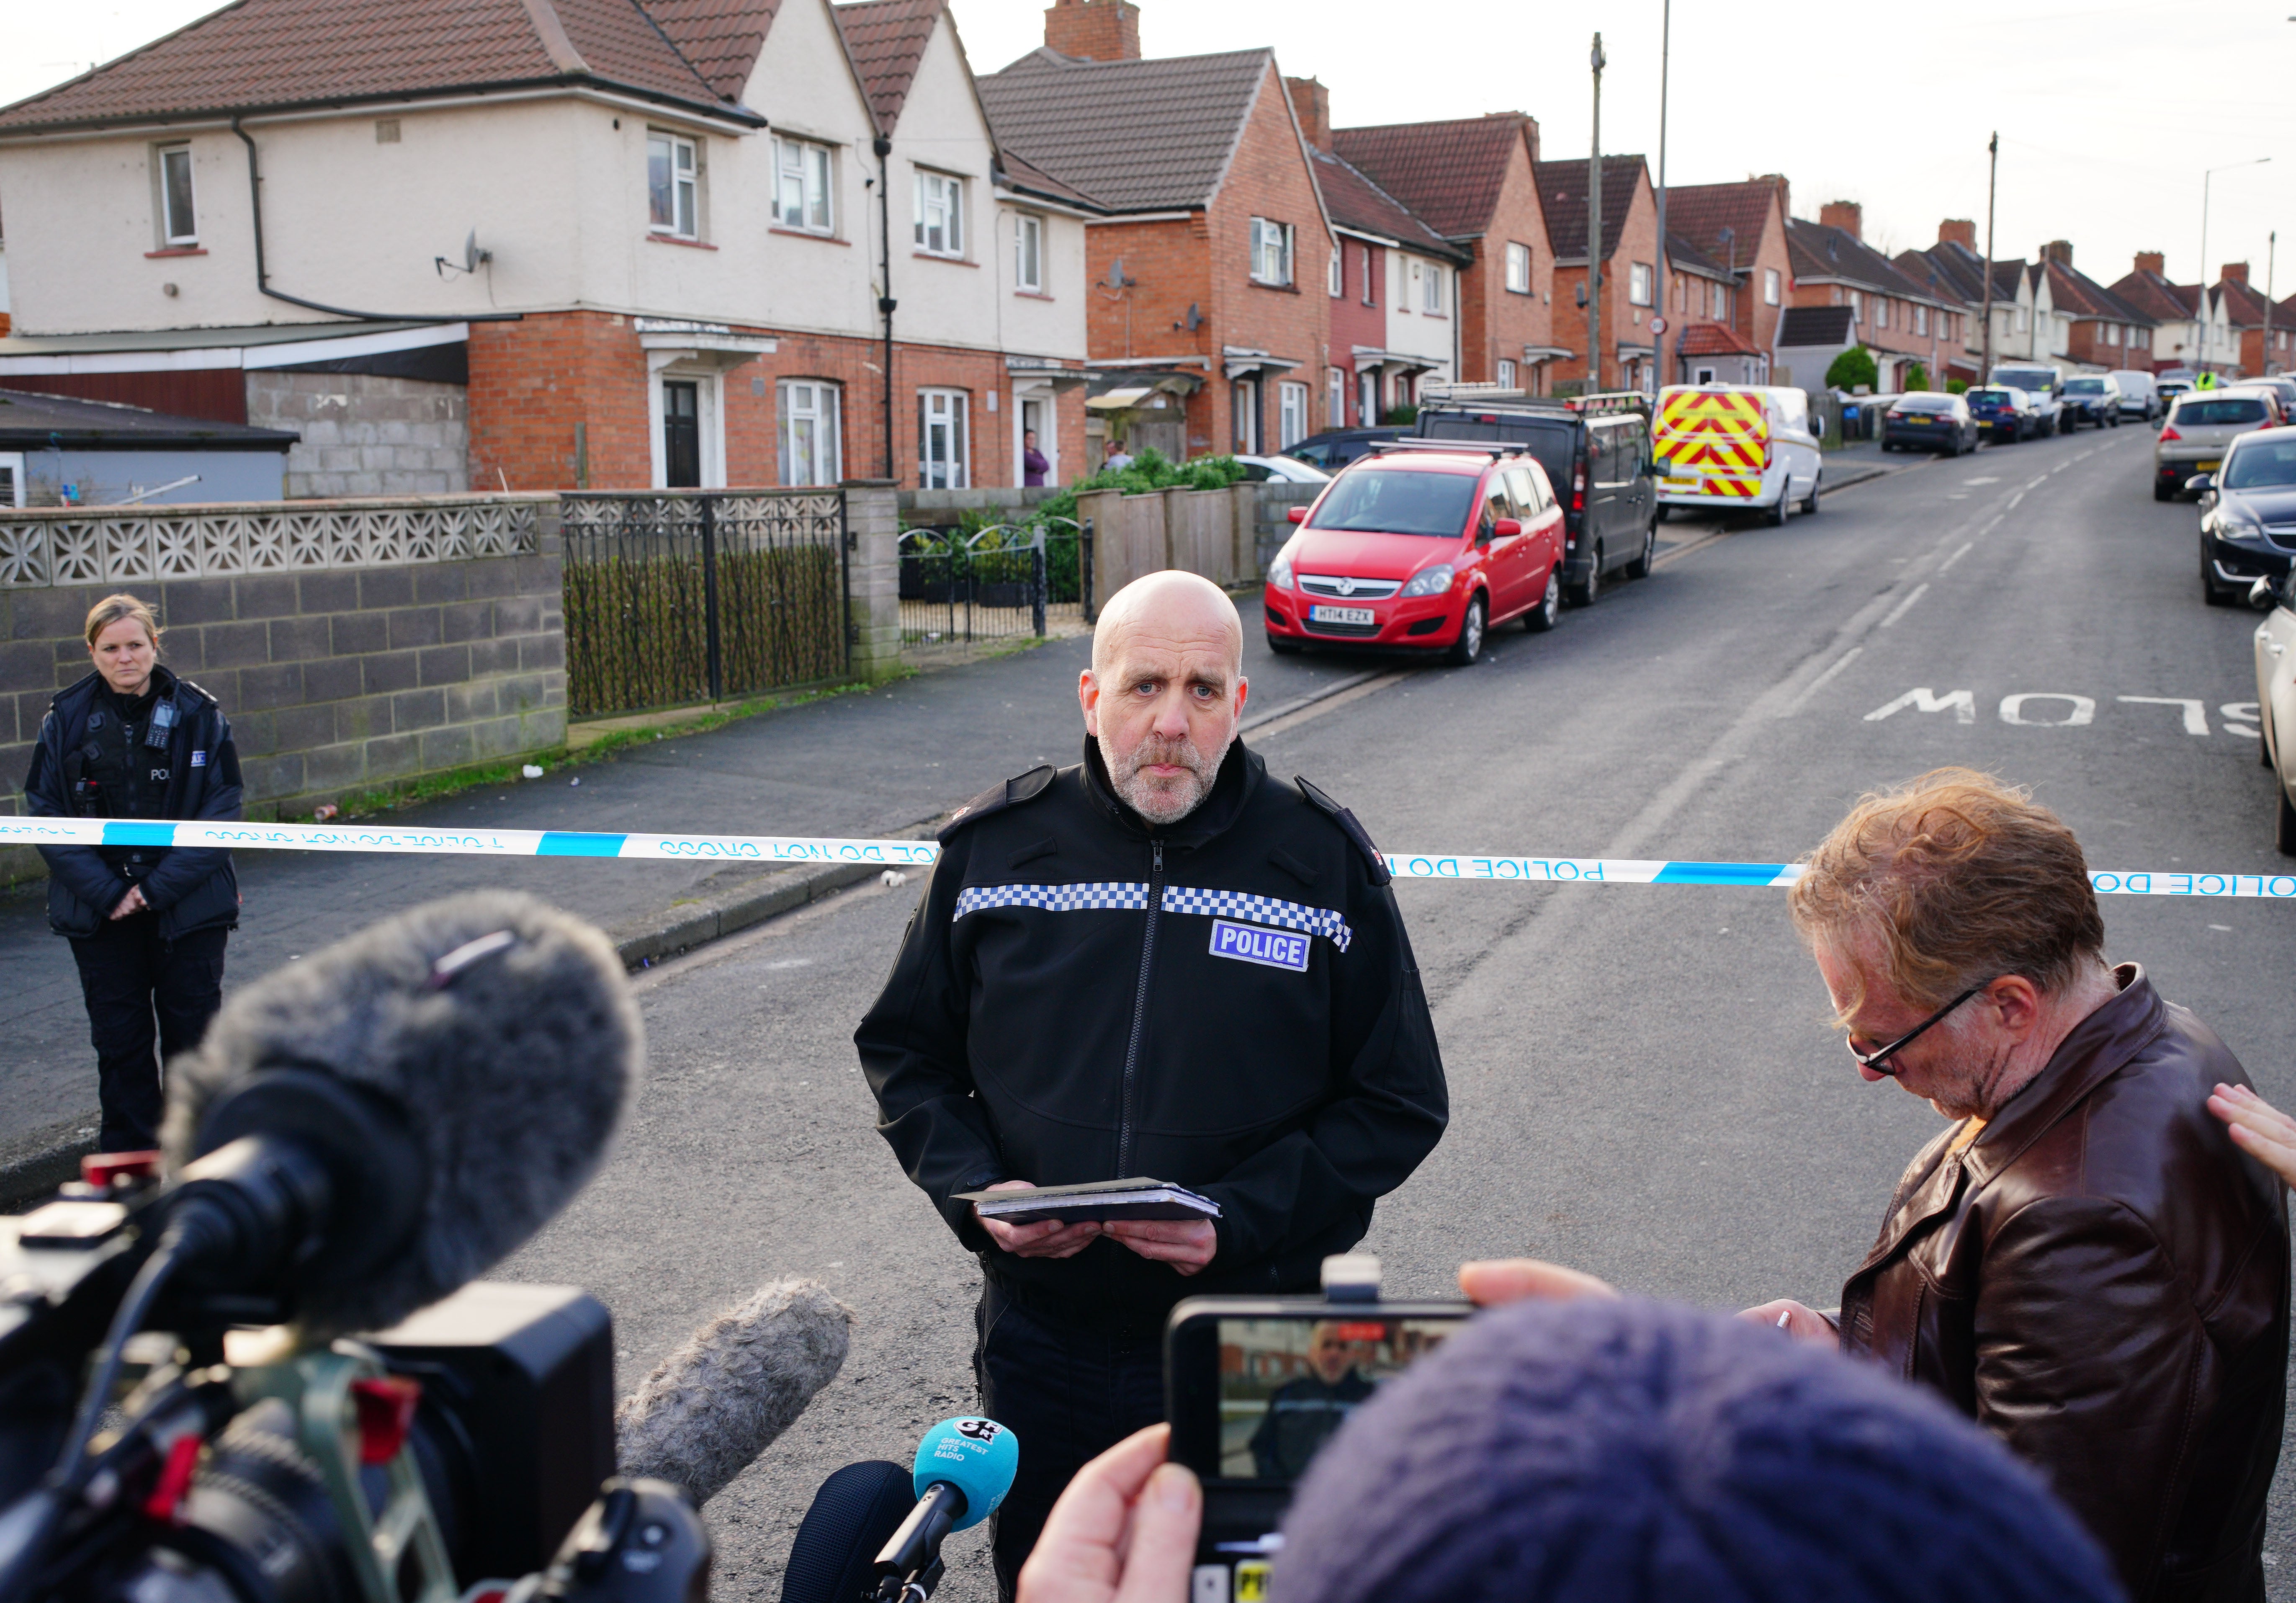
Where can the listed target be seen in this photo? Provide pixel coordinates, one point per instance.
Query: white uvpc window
(1335, 275)
(1639, 285)
(179, 226)
(1028, 253)
(1291, 416)
(811, 445)
(940, 214)
(802, 188)
(940, 440)
(1432, 282)
(1271, 252)
(673, 186)
(1770, 286)
(1518, 269)
(1336, 417)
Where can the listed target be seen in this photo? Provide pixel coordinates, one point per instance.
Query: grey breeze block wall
(366, 434)
(334, 679)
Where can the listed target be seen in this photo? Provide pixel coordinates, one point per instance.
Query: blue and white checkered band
(1133, 897)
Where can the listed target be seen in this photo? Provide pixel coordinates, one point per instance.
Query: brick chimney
(2059, 251)
(1777, 181)
(1848, 216)
(2151, 261)
(1311, 103)
(1958, 231)
(1094, 31)
(2237, 271)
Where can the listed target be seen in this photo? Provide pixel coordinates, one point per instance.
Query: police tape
(797, 850)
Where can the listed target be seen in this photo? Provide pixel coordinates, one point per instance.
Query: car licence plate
(1341, 614)
(2210, 467)
(1687, 486)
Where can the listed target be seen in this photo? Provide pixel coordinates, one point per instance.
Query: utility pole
(885, 301)
(1595, 232)
(2271, 253)
(1665, 323)
(1992, 186)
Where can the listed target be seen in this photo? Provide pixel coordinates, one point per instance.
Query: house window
(673, 186)
(1518, 269)
(179, 227)
(940, 214)
(1856, 306)
(1028, 253)
(1371, 282)
(801, 186)
(1291, 416)
(1336, 416)
(1271, 252)
(2024, 319)
(940, 440)
(811, 436)
(1433, 284)
(1336, 275)
(1769, 286)
(1639, 284)
(2112, 333)
(1506, 374)
(1881, 312)
(1921, 320)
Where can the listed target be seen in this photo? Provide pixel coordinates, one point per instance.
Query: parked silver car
(2200, 426)
(2275, 697)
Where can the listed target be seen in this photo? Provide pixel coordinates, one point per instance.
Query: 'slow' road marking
(2032, 709)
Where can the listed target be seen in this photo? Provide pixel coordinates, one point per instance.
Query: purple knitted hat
(1630, 1451)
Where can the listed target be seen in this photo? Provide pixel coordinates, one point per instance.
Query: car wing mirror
(2200, 484)
(1507, 528)
(2262, 597)
(1296, 515)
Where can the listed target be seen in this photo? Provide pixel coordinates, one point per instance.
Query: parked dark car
(2045, 385)
(2248, 515)
(2091, 398)
(1926, 421)
(1596, 451)
(2005, 415)
(1334, 448)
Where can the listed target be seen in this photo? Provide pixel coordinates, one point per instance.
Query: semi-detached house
(552, 243)
(1210, 265)
(1903, 320)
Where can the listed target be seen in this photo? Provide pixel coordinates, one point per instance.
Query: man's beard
(1163, 800)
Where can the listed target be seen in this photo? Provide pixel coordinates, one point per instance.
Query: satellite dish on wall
(473, 259)
(1115, 278)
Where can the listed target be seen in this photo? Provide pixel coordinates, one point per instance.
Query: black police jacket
(194, 776)
(1228, 1003)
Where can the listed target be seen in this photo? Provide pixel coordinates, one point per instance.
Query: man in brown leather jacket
(2084, 1263)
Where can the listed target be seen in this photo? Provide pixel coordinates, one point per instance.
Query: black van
(1596, 451)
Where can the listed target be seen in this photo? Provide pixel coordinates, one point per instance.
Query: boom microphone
(719, 1399)
(388, 1118)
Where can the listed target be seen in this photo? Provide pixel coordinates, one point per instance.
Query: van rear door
(1713, 443)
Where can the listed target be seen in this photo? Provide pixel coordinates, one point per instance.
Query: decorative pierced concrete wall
(351, 645)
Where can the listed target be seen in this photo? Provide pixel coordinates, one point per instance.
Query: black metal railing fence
(959, 588)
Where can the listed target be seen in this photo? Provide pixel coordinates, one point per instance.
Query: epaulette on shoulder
(1349, 826)
(201, 691)
(1015, 791)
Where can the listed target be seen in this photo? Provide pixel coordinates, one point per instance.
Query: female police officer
(147, 924)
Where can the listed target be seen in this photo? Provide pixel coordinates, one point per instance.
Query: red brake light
(2169, 431)
(1578, 487)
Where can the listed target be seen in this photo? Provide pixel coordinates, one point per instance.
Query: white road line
(1906, 606)
(2013, 502)
(1816, 685)
(1956, 556)
(2037, 483)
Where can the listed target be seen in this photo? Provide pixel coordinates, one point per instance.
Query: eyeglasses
(1878, 1060)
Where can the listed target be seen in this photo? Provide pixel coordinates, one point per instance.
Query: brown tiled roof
(1448, 173)
(268, 53)
(1355, 201)
(1020, 175)
(1714, 339)
(1139, 136)
(1682, 256)
(1952, 271)
(1821, 251)
(2158, 299)
(1698, 212)
(720, 37)
(1562, 195)
(2243, 306)
(2075, 291)
(887, 39)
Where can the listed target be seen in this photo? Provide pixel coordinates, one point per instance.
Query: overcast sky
(2109, 114)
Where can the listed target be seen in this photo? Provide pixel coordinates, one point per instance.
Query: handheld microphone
(721, 1398)
(964, 1469)
(364, 1131)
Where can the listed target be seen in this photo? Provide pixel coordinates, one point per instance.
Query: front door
(1243, 406)
(681, 433)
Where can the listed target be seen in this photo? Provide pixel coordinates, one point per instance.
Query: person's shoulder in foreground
(1620, 1450)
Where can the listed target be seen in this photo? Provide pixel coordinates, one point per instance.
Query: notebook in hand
(1101, 1200)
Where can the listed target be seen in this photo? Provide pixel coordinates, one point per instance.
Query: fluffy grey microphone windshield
(513, 1075)
(717, 1403)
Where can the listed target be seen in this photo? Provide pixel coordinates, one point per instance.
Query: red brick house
(1743, 228)
(2100, 329)
(2258, 327)
(1903, 320)
(1474, 180)
(1627, 241)
(1378, 358)
(1211, 321)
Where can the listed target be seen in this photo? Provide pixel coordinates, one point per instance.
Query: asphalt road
(1643, 1081)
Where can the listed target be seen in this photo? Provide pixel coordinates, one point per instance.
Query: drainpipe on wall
(885, 301)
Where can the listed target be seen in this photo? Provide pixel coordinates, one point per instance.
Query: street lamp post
(2201, 289)
(1595, 232)
(1665, 327)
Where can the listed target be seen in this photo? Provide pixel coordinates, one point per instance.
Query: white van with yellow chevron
(1736, 447)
